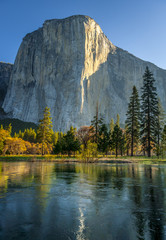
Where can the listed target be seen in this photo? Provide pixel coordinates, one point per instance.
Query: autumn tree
(84, 134)
(14, 146)
(4, 134)
(90, 153)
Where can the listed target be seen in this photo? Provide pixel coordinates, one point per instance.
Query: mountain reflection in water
(82, 201)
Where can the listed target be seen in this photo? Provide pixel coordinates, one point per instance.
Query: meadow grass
(101, 158)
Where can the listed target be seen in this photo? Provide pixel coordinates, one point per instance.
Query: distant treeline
(17, 125)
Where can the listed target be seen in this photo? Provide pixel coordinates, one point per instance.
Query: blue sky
(136, 26)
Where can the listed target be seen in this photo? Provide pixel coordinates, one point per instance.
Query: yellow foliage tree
(4, 134)
(90, 152)
(14, 146)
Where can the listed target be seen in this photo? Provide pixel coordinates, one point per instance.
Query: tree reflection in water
(82, 201)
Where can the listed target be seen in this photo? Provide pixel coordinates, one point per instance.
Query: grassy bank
(100, 159)
(35, 158)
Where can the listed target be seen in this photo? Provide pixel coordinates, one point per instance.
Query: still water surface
(82, 201)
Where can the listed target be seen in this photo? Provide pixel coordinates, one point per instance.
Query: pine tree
(132, 121)
(118, 120)
(111, 125)
(149, 111)
(21, 134)
(44, 131)
(116, 139)
(55, 136)
(71, 143)
(15, 135)
(159, 128)
(96, 124)
(104, 139)
(59, 145)
(9, 128)
(32, 136)
(163, 142)
(127, 140)
(122, 143)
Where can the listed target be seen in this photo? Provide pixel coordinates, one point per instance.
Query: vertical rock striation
(5, 72)
(69, 65)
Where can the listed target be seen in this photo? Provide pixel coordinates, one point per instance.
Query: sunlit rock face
(70, 66)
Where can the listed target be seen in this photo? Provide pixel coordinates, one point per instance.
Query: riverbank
(66, 159)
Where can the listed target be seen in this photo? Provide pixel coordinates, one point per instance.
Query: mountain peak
(69, 65)
(70, 18)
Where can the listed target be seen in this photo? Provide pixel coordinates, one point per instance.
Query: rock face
(70, 66)
(5, 72)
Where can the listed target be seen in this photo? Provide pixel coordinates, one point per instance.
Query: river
(82, 201)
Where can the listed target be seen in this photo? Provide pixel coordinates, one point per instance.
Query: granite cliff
(69, 65)
(5, 72)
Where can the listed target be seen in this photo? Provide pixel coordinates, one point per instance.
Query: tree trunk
(149, 151)
(42, 148)
(132, 144)
(132, 135)
(116, 151)
(149, 128)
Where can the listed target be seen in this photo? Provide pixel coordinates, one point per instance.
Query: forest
(144, 132)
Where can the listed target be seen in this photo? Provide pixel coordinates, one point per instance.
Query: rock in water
(69, 65)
